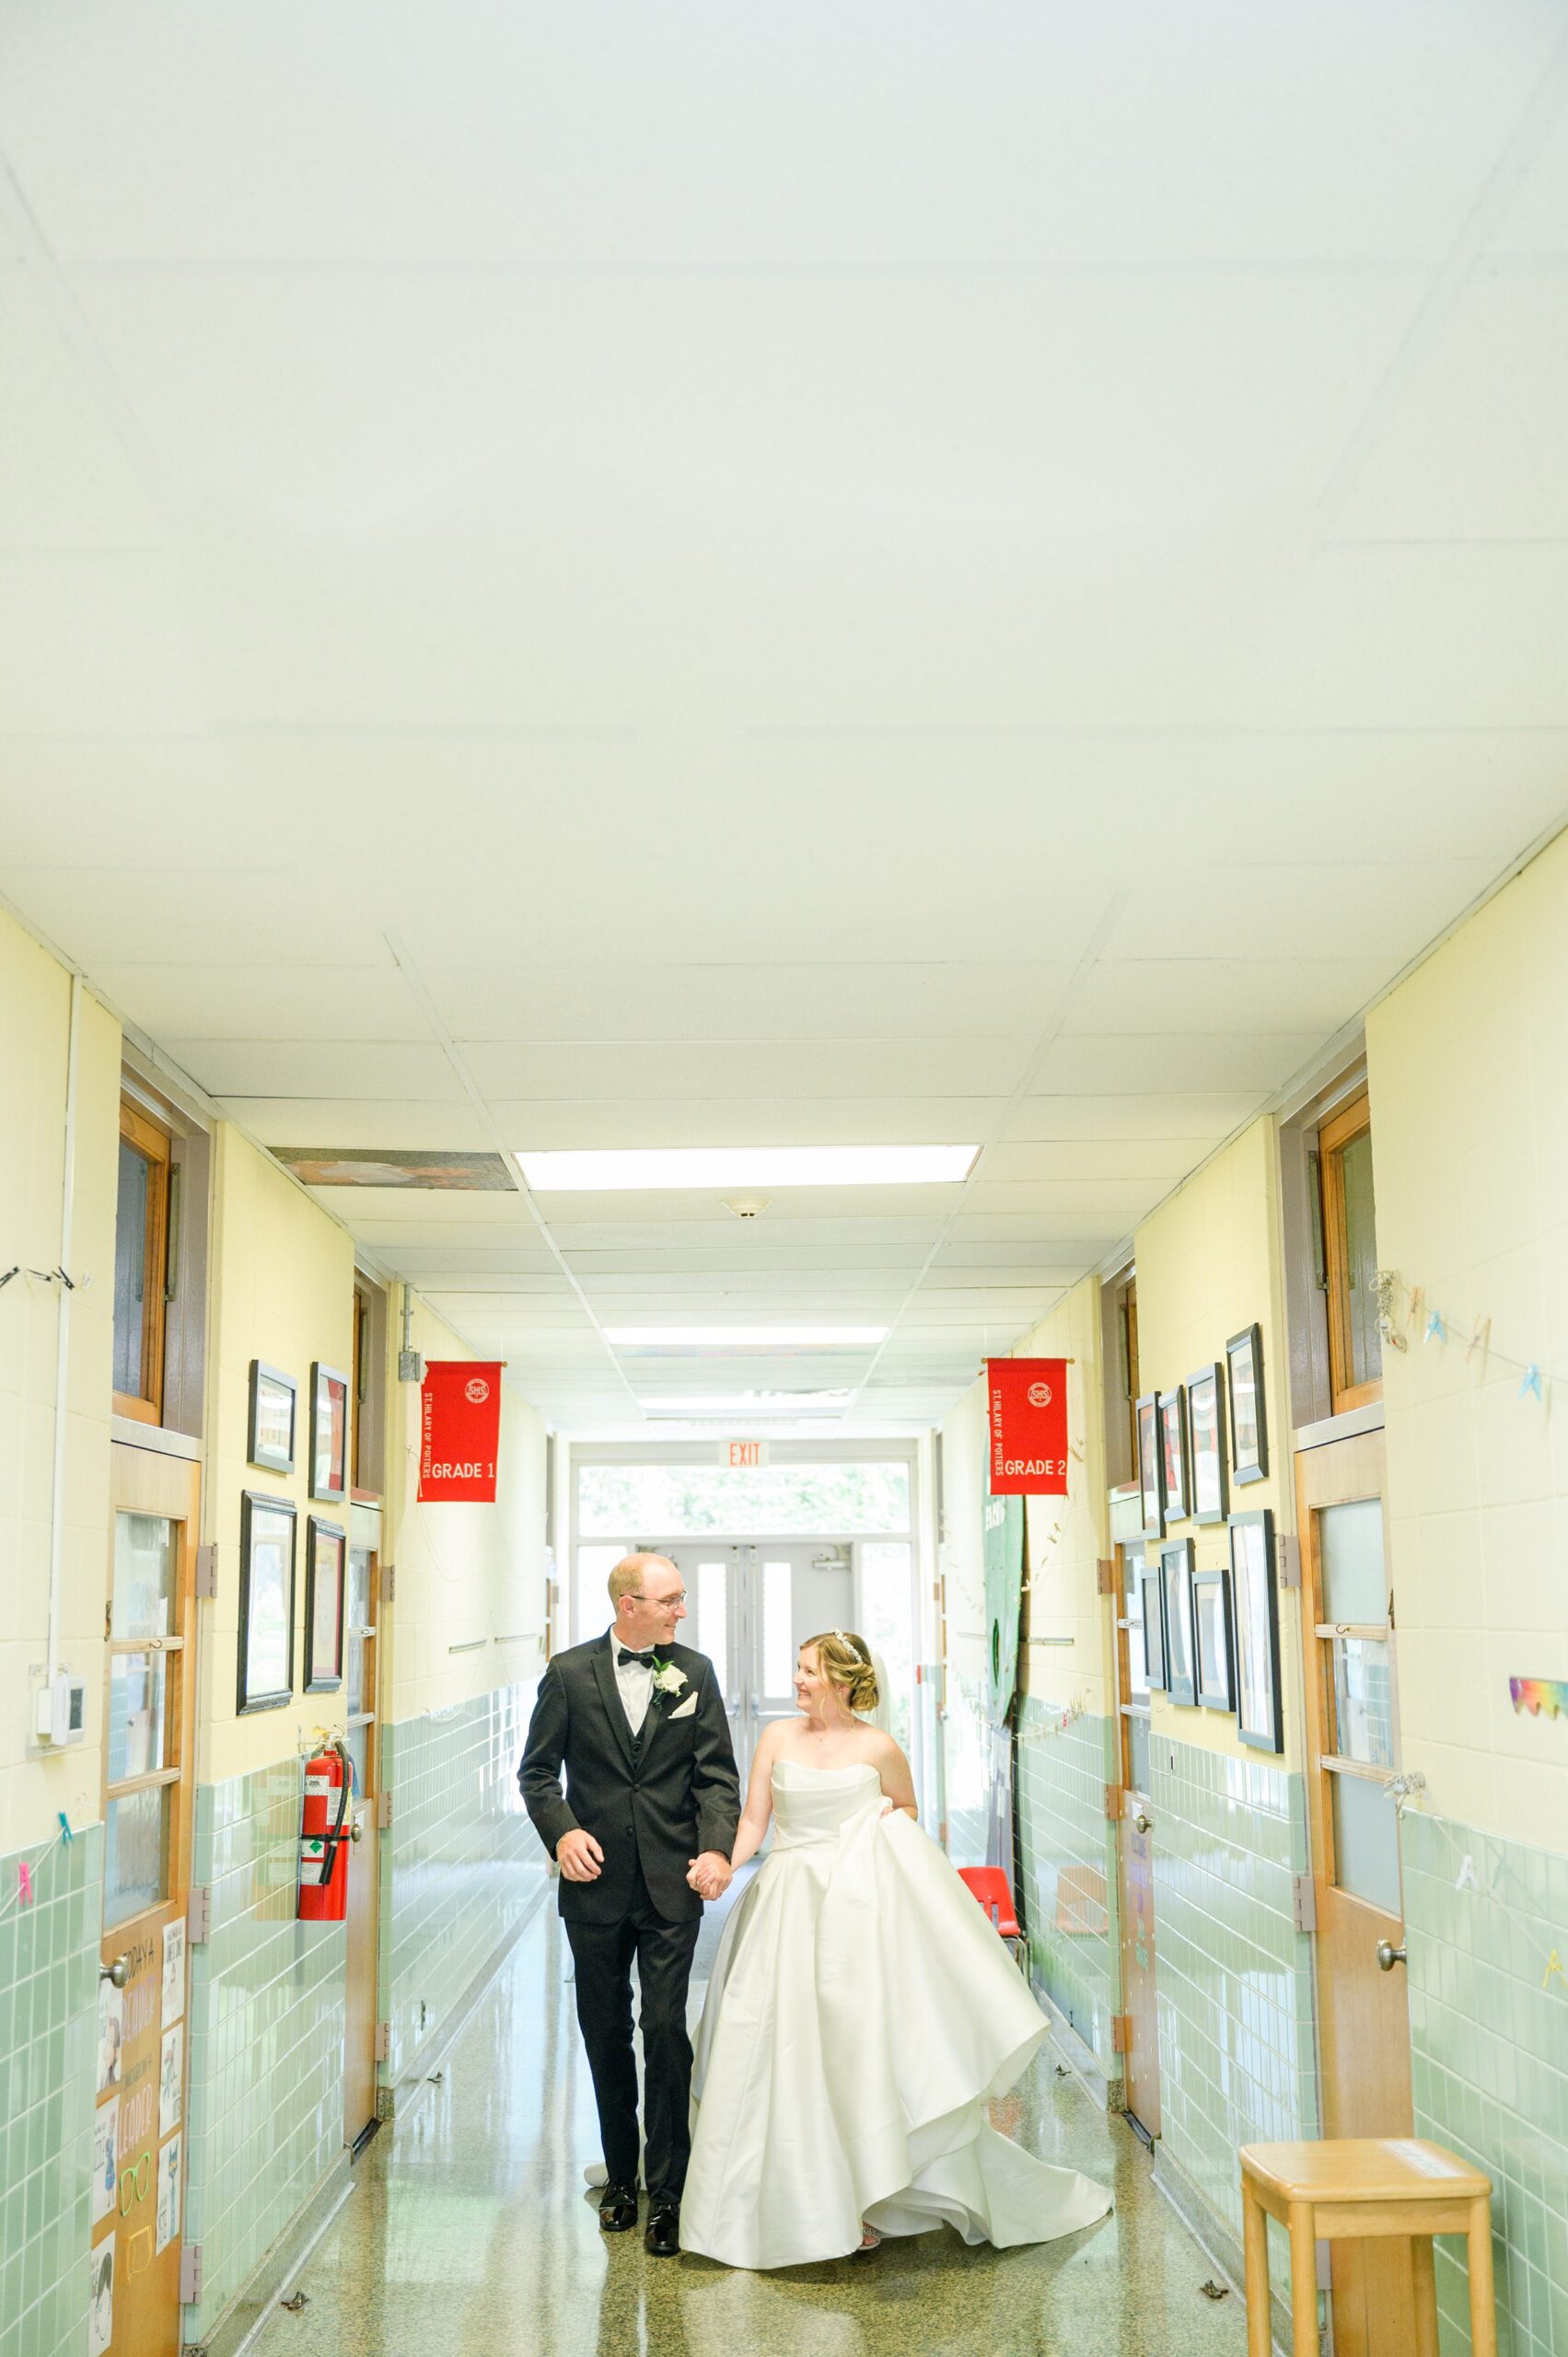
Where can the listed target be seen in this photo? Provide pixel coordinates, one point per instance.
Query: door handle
(1388, 1955)
(1143, 1824)
(357, 1829)
(118, 1972)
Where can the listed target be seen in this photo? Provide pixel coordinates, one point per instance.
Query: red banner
(1027, 1408)
(459, 1430)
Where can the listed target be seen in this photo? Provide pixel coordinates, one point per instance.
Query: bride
(862, 2012)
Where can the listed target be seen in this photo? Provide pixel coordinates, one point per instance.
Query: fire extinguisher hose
(345, 1792)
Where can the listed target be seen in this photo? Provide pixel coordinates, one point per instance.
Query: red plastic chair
(990, 1886)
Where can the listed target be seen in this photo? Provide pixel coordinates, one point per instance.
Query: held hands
(709, 1875)
(579, 1856)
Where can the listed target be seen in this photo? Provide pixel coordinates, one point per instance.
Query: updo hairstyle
(846, 1662)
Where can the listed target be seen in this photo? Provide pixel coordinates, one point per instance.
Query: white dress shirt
(636, 1680)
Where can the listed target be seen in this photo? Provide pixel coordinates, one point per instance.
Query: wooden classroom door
(360, 1613)
(1138, 2032)
(1353, 1751)
(149, 1792)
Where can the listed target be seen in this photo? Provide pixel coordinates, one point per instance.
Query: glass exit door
(752, 1605)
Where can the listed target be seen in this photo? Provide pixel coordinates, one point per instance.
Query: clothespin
(1480, 1340)
(1418, 1303)
(65, 1832)
(1553, 1964)
(1532, 1382)
(1466, 1879)
(24, 1883)
(1436, 1330)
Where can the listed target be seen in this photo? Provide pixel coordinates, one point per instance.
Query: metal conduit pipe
(62, 1351)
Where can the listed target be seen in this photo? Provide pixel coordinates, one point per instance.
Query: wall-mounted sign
(751, 1454)
(460, 1430)
(1027, 1412)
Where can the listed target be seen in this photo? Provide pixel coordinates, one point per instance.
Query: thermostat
(62, 1707)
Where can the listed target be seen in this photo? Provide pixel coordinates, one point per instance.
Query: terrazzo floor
(469, 2233)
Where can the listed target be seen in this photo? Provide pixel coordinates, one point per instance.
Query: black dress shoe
(618, 2208)
(663, 2236)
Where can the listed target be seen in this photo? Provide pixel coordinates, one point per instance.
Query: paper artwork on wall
(106, 2131)
(1539, 1694)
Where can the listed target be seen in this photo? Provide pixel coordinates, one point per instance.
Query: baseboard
(1215, 2241)
(255, 2305)
(394, 2101)
(1078, 2054)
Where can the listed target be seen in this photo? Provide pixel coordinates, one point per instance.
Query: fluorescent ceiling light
(745, 1337)
(751, 1403)
(747, 1166)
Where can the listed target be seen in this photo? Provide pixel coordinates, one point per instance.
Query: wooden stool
(1363, 2185)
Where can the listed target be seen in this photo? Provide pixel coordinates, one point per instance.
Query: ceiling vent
(746, 1206)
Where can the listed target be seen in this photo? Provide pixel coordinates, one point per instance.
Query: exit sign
(751, 1454)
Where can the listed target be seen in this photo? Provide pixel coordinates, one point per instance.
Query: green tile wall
(461, 1864)
(264, 2119)
(1067, 1861)
(49, 1955)
(1233, 1975)
(1489, 2062)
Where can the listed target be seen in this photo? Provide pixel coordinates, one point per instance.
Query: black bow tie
(622, 1657)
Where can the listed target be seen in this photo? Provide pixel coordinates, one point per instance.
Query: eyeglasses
(664, 1602)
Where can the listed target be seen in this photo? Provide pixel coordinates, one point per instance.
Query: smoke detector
(746, 1206)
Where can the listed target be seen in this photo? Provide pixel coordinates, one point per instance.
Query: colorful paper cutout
(1539, 1694)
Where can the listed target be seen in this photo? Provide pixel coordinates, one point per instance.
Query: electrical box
(59, 1710)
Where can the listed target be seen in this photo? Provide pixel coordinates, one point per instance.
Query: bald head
(649, 1597)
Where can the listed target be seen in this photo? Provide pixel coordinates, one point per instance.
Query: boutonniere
(668, 1679)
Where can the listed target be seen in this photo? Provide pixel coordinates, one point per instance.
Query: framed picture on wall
(1205, 1429)
(1151, 1484)
(1176, 1578)
(1153, 1594)
(274, 1395)
(266, 1602)
(1212, 1639)
(1255, 1607)
(1248, 1428)
(1173, 1453)
(326, 1560)
(328, 1432)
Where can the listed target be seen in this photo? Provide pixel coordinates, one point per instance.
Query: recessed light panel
(595, 1172)
(745, 1337)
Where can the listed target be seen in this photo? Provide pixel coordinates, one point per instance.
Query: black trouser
(602, 1954)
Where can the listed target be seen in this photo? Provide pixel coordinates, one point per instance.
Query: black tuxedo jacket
(656, 1806)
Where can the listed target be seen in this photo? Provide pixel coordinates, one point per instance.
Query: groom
(642, 1838)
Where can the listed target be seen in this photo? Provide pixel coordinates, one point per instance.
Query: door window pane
(1364, 1715)
(775, 1501)
(145, 1556)
(1133, 1606)
(137, 1691)
(778, 1635)
(595, 1564)
(887, 1622)
(357, 1612)
(712, 1620)
(1367, 1843)
(1350, 1542)
(1138, 1750)
(130, 1268)
(135, 1853)
(1361, 1261)
(357, 1740)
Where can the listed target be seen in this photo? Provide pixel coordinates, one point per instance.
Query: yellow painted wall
(35, 999)
(1069, 1658)
(1468, 1069)
(282, 1279)
(1209, 1263)
(464, 1572)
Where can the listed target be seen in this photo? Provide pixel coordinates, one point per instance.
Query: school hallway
(470, 2234)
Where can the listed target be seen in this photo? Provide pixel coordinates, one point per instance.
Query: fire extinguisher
(323, 1846)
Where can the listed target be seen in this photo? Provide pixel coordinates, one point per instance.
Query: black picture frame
(1175, 1581)
(1173, 1454)
(265, 1668)
(328, 1442)
(1150, 1485)
(1213, 1640)
(1152, 1588)
(1255, 1612)
(1248, 1425)
(1208, 1467)
(326, 1569)
(264, 1447)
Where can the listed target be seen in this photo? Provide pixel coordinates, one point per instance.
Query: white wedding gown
(862, 2010)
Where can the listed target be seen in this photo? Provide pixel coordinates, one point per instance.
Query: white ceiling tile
(809, 1068)
(265, 1001)
(1120, 1061)
(343, 1070)
(327, 1122)
(1194, 1119)
(747, 1120)
(1223, 994)
(66, 480)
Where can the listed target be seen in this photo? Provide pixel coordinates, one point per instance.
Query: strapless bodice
(814, 1804)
